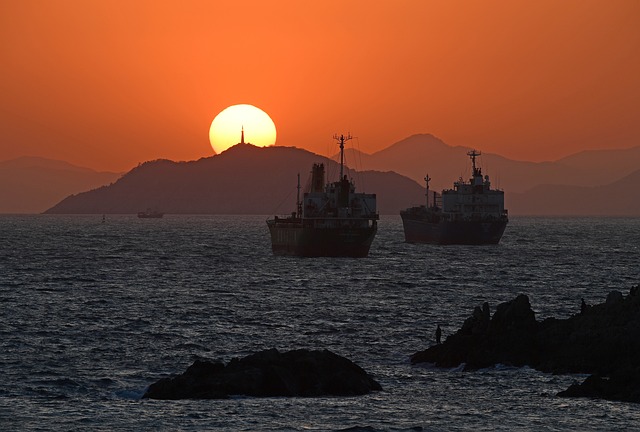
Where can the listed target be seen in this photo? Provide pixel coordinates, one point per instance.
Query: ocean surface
(92, 313)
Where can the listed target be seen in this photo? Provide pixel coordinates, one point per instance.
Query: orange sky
(113, 83)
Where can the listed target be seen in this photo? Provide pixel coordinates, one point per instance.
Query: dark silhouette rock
(477, 323)
(268, 373)
(620, 386)
(602, 339)
(508, 337)
(614, 297)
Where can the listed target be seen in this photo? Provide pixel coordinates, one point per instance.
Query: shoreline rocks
(603, 340)
(621, 386)
(508, 337)
(268, 373)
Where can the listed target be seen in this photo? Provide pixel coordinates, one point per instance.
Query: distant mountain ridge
(34, 184)
(241, 180)
(423, 154)
(250, 180)
(619, 198)
(594, 182)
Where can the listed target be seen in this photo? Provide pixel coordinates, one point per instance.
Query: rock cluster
(603, 340)
(623, 385)
(268, 373)
(507, 337)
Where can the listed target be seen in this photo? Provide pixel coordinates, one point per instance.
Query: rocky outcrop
(508, 337)
(622, 385)
(603, 340)
(268, 373)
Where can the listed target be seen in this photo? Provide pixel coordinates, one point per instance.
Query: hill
(33, 184)
(241, 180)
(420, 154)
(251, 180)
(619, 198)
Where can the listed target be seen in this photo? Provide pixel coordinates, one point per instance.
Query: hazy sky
(108, 84)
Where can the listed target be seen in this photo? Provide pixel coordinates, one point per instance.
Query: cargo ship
(331, 220)
(469, 214)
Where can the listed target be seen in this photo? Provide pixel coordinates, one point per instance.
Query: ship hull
(296, 239)
(418, 230)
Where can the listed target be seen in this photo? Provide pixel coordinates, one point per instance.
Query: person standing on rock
(438, 335)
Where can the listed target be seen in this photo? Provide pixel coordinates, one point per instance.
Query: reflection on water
(94, 312)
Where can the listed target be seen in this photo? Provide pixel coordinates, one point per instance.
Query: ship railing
(330, 223)
(286, 217)
(374, 216)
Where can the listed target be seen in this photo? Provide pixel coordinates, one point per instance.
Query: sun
(232, 122)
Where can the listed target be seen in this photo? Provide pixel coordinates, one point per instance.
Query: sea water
(93, 312)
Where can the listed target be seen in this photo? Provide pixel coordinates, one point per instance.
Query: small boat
(469, 214)
(150, 214)
(332, 220)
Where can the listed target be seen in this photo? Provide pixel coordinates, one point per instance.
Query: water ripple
(93, 313)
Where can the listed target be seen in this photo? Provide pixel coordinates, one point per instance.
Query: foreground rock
(603, 340)
(268, 373)
(620, 386)
(509, 337)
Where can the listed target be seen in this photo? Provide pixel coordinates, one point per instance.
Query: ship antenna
(342, 139)
(473, 154)
(427, 179)
(298, 203)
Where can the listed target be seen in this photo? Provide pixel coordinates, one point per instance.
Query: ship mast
(342, 139)
(427, 179)
(473, 154)
(298, 203)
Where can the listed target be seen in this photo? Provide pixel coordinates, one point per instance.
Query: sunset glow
(256, 126)
(528, 80)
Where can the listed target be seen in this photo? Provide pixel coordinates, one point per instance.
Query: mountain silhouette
(420, 154)
(33, 184)
(616, 199)
(250, 180)
(241, 180)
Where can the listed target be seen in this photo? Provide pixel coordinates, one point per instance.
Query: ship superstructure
(469, 213)
(332, 219)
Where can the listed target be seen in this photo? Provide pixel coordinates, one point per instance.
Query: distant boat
(150, 214)
(471, 213)
(331, 220)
